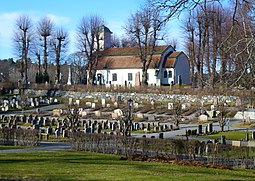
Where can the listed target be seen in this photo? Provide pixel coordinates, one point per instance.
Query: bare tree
(45, 29)
(126, 42)
(23, 35)
(59, 43)
(89, 30)
(115, 41)
(79, 63)
(144, 28)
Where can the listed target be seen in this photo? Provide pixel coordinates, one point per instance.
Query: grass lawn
(71, 165)
(230, 135)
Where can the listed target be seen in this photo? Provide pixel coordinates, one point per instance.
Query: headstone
(83, 114)
(184, 106)
(103, 102)
(210, 128)
(70, 101)
(203, 118)
(93, 105)
(160, 135)
(98, 113)
(56, 112)
(136, 105)
(236, 143)
(77, 102)
(151, 118)
(115, 104)
(238, 102)
(148, 127)
(212, 107)
(113, 99)
(253, 135)
(88, 104)
(139, 115)
(223, 140)
(200, 129)
(251, 144)
(152, 103)
(170, 105)
(57, 132)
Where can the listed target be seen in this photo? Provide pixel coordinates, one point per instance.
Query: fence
(21, 137)
(165, 149)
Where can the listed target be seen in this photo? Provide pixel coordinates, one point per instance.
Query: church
(122, 66)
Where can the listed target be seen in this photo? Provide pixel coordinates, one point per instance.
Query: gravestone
(103, 102)
(236, 143)
(49, 130)
(170, 105)
(139, 115)
(88, 104)
(253, 135)
(93, 105)
(203, 118)
(70, 101)
(98, 113)
(161, 135)
(151, 118)
(223, 140)
(136, 105)
(200, 129)
(77, 102)
(210, 128)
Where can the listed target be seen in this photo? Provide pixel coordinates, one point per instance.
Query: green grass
(230, 135)
(71, 165)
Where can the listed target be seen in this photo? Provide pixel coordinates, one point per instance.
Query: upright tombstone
(70, 101)
(170, 106)
(77, 102)
(200, 129)
(103, 102)
(223, 139)
(136, 105)
(253, 135)
(210, 128)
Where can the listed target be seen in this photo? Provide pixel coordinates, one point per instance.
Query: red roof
(170, 60)
(128, 58)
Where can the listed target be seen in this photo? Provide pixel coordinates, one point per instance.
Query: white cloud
(59, 20)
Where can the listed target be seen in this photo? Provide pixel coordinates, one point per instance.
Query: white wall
(122, 76)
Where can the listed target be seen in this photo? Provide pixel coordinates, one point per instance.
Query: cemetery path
(44, 146)
(44, 108)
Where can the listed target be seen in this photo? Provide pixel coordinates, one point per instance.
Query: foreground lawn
(71, 165)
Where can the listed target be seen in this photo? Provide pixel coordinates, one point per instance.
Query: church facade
(122, 66)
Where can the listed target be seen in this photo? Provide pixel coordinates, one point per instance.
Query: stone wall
(138, 96)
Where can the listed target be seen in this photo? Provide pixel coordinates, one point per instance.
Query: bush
(41, 77)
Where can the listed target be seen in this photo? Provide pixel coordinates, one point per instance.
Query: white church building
(122, 66)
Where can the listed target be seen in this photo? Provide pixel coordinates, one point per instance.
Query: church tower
(105, 38)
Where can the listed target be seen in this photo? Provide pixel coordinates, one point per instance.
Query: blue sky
(66, 13)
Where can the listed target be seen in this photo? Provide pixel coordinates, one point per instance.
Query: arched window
(114, 77)
(170, 74)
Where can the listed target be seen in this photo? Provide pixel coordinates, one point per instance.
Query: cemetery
(170, 121)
